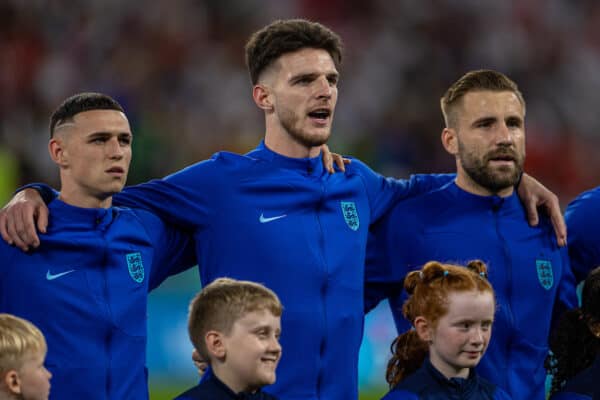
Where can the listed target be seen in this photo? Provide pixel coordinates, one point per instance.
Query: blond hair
(475, 81)
(224, 301)
(18, 339)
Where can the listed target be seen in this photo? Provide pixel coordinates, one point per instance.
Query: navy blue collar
(214, 387)
(454, 385)
(62, 214)
(493, 201)
(310, 166)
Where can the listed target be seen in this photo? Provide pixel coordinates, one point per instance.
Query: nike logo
(264, 220)
(52, 277)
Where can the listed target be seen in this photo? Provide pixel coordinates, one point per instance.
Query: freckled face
(461, 337)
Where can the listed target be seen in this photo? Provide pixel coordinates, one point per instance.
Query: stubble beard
(492, 179)
(290, 121)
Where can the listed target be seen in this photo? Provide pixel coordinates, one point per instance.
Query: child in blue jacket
(235, 325)
(575, 344)
(452, 310)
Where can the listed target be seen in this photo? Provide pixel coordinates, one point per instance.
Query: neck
(467, 184)
(291, 148)
(76, 199)
(448, 371)
(279, 140)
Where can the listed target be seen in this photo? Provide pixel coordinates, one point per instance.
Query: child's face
(461, 336)
(34, 377)
(252, 351)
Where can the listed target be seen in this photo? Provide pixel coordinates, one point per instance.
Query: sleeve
(384, 192)
(174, 250)
(396, 301)
(583, 218)
(387, 257)
(379, 278)
(48, 193)
(566, 294)
(182, 199)
(7, 253)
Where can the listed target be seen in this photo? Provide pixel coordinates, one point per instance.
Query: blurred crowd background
(177, 66)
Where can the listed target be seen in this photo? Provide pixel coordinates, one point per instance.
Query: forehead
(259, 318)
(306, 60)
(471, 304)
(101, 121)
(487, 102)
(35, 355)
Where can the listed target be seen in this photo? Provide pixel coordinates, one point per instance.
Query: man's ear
(57, 151)
(12, 381)
(450, 140)
(424, 329)
(261, 94)
(215, 344)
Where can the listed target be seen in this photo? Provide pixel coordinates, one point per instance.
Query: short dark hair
(81, 102)
(286, 36)
(478, 80)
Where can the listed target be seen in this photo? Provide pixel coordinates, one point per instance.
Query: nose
(323, 87)
(274, 345)
(477, 337)
(114, 148)
(504, 135)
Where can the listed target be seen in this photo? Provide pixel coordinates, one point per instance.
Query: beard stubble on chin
(289, 121)
(494, 180)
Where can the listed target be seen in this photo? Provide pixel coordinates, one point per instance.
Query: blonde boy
(235, 325)
(22, 354)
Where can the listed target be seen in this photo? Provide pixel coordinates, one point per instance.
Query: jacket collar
(310, 166)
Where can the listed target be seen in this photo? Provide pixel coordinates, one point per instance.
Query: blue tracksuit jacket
(85, 287)
(287, 223)
(583, 217)
(529, 272)
(213, 389)
(427, 383)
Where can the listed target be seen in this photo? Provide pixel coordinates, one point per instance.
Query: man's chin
(312, 139)
(113, 189)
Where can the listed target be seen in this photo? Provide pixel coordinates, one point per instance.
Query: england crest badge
(135, 267)
(350, 214)
(544, 273)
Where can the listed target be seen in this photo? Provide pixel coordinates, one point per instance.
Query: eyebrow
(104, 133)
(312, 75)
(485, 120)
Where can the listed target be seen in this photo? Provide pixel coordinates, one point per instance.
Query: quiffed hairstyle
(428, 291)
(575, 342)
(286, 36)
(224, 301)
(79, 103)
(18, 338)
(479, 80)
